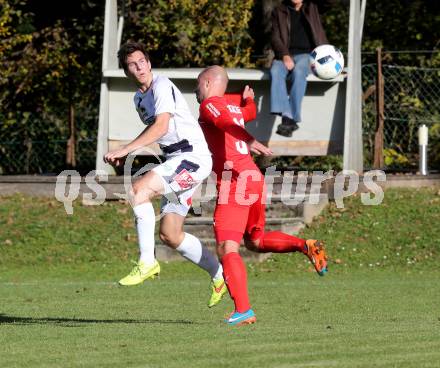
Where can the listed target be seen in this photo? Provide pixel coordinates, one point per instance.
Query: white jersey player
(188, 159)
(169, 123)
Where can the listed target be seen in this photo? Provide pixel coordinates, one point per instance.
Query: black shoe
(287, 127)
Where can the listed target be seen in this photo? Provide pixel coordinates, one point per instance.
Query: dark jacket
(281, 24)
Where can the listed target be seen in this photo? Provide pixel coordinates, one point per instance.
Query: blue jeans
(281, 102)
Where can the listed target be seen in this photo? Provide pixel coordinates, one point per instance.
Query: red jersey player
(240, 211)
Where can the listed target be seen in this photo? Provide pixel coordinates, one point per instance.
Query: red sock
(278, 242)
(234, 271)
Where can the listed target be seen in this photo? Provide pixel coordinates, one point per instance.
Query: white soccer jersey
(184, 132)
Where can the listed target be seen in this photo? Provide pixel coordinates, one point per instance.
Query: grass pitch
(60, 305)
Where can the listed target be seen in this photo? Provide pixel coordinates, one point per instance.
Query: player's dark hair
(127, 49)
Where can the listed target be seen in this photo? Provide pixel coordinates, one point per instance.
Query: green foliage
(392, 158)
(36, 62)
(402, 25)
(335, 21)
(192, 33)
(44, 72)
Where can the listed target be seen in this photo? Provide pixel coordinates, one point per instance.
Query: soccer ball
(326, 62)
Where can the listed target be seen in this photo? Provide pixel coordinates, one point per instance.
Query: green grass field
(378, 307)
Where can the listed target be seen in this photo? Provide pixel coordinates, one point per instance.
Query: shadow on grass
(82, 322)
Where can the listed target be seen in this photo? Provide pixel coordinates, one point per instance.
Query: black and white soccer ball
(326, 62)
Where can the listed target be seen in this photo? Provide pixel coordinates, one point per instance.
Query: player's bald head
(212, 81)
(216, 72)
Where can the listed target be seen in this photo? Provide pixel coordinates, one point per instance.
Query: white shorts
(181, 175)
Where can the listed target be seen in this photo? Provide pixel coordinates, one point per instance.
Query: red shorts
(234, 220)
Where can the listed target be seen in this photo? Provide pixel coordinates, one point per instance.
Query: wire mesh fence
(411, 98)
(44, 157)
(38, 142)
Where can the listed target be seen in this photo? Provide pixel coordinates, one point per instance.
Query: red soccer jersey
(222, 120)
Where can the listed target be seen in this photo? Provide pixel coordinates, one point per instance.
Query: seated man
(296, 31)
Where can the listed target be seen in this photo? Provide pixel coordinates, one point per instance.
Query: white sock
(192, 249)
(145, 222)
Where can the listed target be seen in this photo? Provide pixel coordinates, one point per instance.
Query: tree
(45, 71)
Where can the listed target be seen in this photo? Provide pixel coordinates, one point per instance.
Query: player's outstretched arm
(150, 135)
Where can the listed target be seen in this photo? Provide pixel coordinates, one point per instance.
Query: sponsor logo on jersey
(184, 179)
(234, 109)
(211, 108)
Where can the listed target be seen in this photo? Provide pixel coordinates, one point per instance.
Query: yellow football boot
(140, 273)
(219, 289)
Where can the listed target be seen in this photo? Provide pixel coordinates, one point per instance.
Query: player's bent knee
(141, 193)
(166, 238)
(220, 250)
(251, 245)
(172, 240)
(225, 247)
